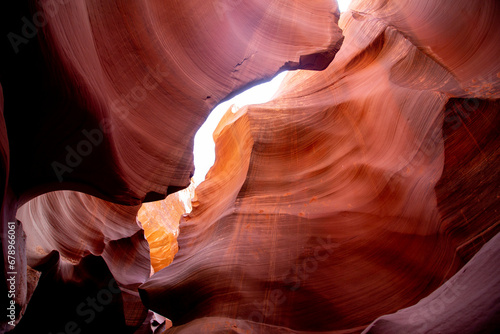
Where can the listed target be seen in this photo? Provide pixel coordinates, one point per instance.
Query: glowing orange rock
(160, 221)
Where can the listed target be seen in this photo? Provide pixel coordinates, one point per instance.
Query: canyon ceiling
(364, 198)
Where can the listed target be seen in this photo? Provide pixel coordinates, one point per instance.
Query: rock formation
(349, 196)
(105, 99)
(363, 198)
(160, 221)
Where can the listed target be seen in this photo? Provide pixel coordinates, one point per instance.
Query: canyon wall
(363, 198)
(357, 191)
(100, 104)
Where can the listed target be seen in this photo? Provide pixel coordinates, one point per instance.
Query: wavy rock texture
(118, 89)
(160, 221)
(470, 291)
(16, 247)
(460, 36)
(357, 191)
(104, 98)
(78, 242)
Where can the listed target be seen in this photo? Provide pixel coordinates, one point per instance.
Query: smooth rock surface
(118, 89)
(467, 303)
(352, 194)
(356, 200)
(104, 98)
(160, 221)
(71, 237)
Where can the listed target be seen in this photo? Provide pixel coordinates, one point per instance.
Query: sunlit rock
(103, 99)
(160, 221)
(357, 200)
(357, 191)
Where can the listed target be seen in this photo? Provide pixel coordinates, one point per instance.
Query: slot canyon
(363, 198)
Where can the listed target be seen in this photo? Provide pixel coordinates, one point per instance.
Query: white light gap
(204, 147)
(343, 5)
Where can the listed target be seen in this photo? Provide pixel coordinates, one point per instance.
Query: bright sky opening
(204, 147)
(343, 5)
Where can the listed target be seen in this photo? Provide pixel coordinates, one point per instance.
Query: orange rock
(375, 139)
(160, 221)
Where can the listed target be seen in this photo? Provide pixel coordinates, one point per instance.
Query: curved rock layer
(160, 221)
(357, 191)
(467, 303)
(104, 98)
(78, 242)
(118, 89)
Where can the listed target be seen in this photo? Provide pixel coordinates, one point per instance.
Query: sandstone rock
(467, 303)
(349, 196)
(71, 233)
(160, 221)
(117, 89)
(105, 99)
(362, 190)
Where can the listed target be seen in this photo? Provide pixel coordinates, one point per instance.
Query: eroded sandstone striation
(115, 83)
(467, 303)
(160, 221)
(100, 102)
(362, 198)
(357, 191)
(84, 246)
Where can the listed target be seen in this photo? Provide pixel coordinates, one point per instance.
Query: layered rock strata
(100, 103)
(357, 191)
